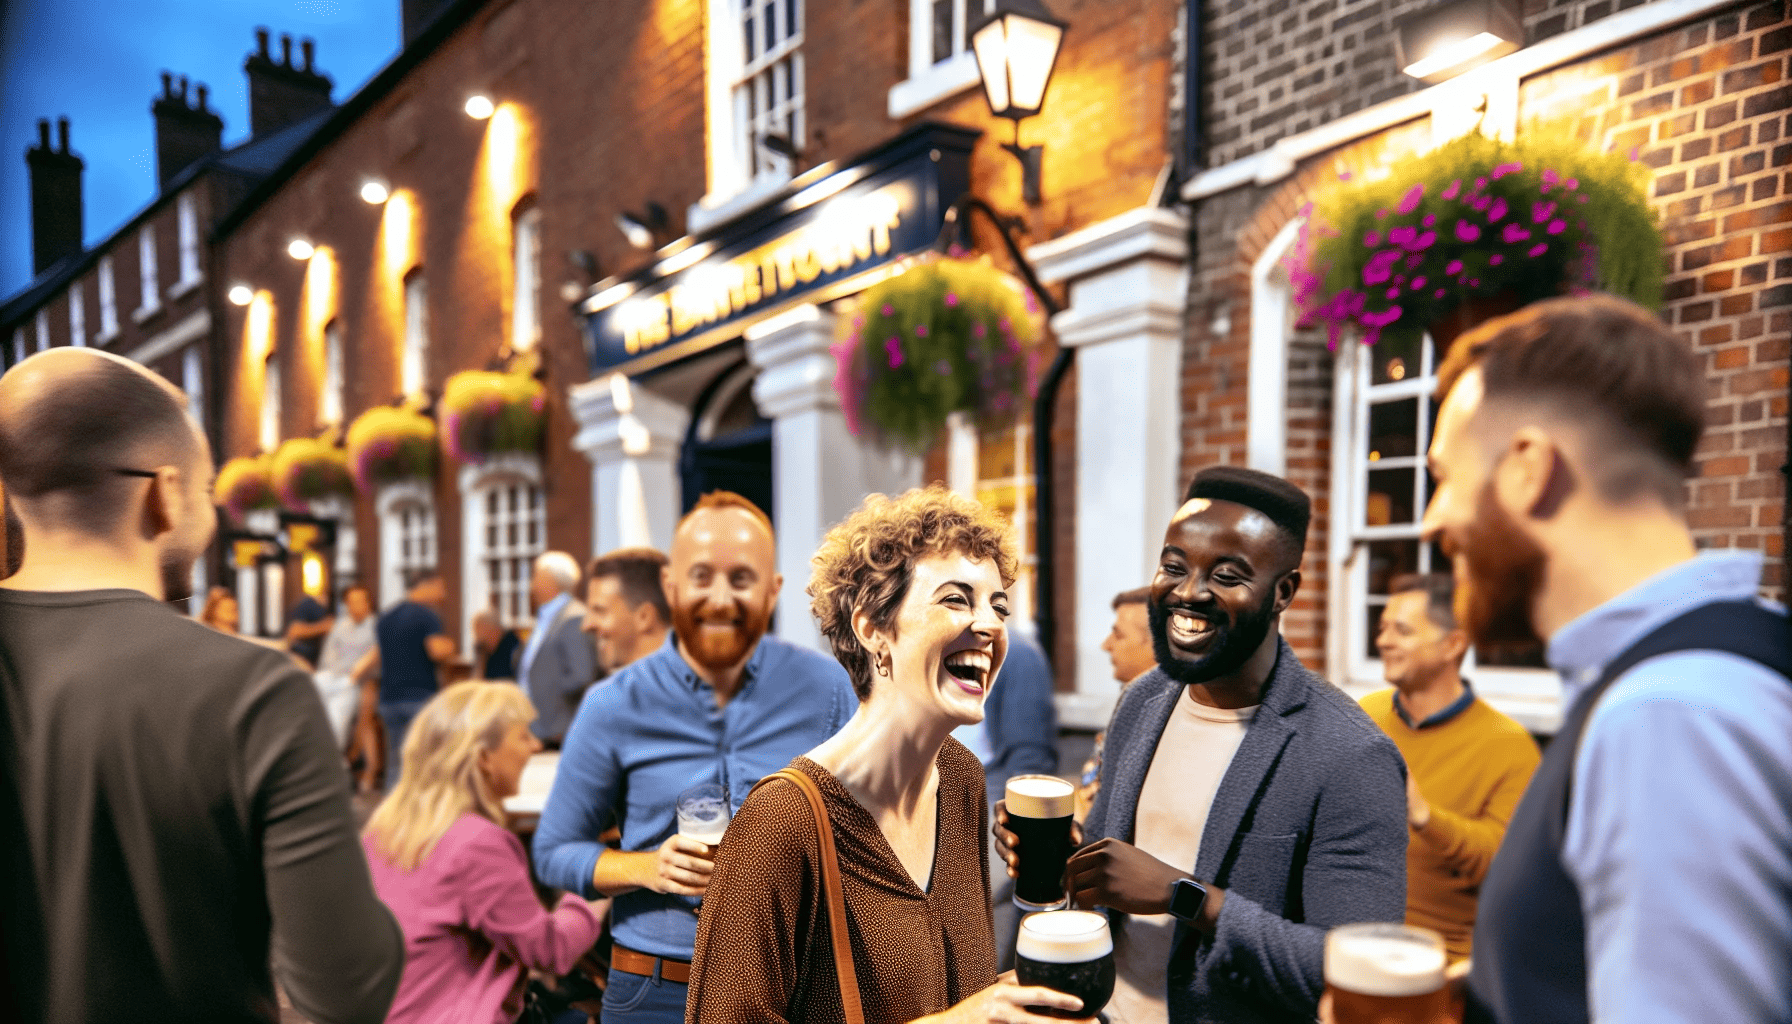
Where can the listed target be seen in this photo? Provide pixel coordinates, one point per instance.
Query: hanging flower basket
(947, 335)
(488, 413)
(308, 469)
(1477, 220)
(244, 485)
(387, 444)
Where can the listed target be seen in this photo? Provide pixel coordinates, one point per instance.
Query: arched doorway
(728, 446)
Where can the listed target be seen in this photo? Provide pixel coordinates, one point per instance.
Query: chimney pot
(285, 50)
(183, 89)
(55, 198)
(167, 84)
(261, 41)
(43, 133)
(202, 92)
(309, 48)
(62, 132)
(281, 92)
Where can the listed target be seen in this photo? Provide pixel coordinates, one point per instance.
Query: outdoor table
(532, 791)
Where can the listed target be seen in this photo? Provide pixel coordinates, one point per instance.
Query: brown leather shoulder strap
(831, 888)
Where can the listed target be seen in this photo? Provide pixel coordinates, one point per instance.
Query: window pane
(751, 38)
(942, 30)
(1390, 497)
(1388, 559)
(1371, 627)
(771, 26)
(1394, 429)
(793, 18)
(1394, 359)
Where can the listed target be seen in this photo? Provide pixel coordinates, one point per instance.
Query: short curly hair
(867, 562)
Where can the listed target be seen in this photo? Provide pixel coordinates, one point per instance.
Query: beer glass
(1068, 951)
(1039, 815)
(1386, 974)
(703, 814)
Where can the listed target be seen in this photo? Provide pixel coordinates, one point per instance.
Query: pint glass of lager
(1386, 974)
(1068, 951)
(1039, 815)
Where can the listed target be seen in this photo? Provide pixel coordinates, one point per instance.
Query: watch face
(1187, 898)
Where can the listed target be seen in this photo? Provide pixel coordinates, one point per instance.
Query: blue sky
(99, 62)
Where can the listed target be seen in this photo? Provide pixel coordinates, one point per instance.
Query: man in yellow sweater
(1466, 764)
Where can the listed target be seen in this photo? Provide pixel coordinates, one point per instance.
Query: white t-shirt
(1192, 757)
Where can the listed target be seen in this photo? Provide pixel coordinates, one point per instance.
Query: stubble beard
(1232, 647)
(1499, 573)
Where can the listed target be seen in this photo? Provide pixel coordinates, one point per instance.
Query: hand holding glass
(703, 814)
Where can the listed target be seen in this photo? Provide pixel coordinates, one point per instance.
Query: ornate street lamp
(1016, 46)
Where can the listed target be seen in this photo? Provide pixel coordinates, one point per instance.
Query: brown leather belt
(630, 962)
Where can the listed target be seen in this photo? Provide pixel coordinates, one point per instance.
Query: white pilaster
(820, 471)
(632, 437)
(1128, 282)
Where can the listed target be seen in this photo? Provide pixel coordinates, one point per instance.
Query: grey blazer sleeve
(1355, 870)
(574, 658)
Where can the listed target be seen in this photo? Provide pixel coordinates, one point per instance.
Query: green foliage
(487, 413)
(387, 444)
(306, 469)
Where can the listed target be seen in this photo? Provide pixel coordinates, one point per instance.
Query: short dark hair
(637, 573)
(1611, 366)
(71, 440)
(1283, 503)
(1439, 589)
(352, 587)
(1137, 595)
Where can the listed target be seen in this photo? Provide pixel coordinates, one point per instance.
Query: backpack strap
(832, 890)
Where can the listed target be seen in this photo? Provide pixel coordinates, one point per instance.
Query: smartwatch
(1187, 897)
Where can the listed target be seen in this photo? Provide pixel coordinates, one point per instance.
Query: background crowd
(179, 802)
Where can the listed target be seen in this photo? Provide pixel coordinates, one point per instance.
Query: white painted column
(1128, 282)
(632, 437)
(820, 471)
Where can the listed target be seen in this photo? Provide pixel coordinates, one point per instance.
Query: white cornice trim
(1143, 231)
(1278, 161)
(191, 327)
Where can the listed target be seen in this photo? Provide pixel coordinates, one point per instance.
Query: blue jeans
(636, 999)
(397, 716)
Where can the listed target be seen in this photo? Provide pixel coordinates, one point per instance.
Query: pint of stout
(1386, 974)
(1039, 815)
(1068, 951)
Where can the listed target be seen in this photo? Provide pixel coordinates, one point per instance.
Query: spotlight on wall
(480, 106)
(1444, 41)
(643, 229)
(374, 192)
(299, 249)
(240, 295)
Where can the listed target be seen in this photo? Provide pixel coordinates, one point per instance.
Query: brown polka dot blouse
(763, 949)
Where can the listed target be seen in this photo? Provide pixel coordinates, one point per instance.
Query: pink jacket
(472, 924)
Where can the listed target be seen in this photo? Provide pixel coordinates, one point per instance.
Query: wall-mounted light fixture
(586, 263)
(240, 295)
(480, 106)
(374, 192)
(643, 229)
(300, 249)
(1016, 46)
(1444, 41)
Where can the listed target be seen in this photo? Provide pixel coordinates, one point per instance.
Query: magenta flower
(1539, 249)
(979, 329)
(1430, 220)
(894, 348)
(1550, 178)
(1453, 268)
(920, 330)
(1417, 283)
(1438, 294)
(1410, 201)
(1380, 214)
(1372, 240)
(951, 300)
(943, 367)
(1514, 233)
(1453, 191)
(1541, 212)
(1343, 175)
(1402, 236)
(1467, 232)
(1480, 183)
(1380, 266)
(1504, 169)
(1557, 226)
(1481, 203)
(1573, 183)
(889, 310)
(1495, 260)
(1496, 210)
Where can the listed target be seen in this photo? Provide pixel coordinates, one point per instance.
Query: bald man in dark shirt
(178, 829)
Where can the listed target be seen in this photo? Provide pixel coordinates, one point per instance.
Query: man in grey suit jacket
(559, 661)
(1246, 805)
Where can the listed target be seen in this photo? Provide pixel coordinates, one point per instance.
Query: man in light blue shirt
(720, 702)
(1646, 877)
(559, 662)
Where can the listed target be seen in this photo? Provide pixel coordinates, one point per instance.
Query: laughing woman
(911, 593)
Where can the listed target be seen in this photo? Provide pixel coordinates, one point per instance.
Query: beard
(717, 649)
(1498, 573)
(1233, 643)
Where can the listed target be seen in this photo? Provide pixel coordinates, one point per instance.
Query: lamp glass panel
(1449, 53)
(1032, 50)
(991, 46)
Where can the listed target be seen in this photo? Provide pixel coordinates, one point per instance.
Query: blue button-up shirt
(652, 731)
(1678, 829)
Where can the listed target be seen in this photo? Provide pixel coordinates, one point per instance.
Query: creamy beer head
(1383, 960)
(1040, 796)
(1064, 937)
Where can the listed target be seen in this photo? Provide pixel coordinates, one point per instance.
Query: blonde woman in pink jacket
(454, 875)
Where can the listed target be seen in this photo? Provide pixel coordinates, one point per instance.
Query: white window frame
(187, 217)
(42, 322)
(525, 295)
(930, 81)
(270, 403)
(108, 302)
(248, 598)
(413, 365)
(77, 316)
(192, 369)
(478, 484)
(273, 593)
(407, 516)
(198, 588)
(329, 411)
(734, 185)
(18, 346)
(147, 274)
